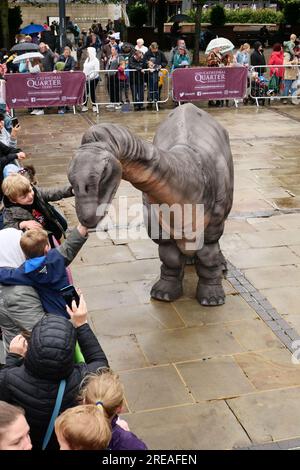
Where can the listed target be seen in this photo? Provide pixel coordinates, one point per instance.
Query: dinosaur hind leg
(210, 265)
(169, 286)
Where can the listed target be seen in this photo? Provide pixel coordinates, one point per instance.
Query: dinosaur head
(95, 175)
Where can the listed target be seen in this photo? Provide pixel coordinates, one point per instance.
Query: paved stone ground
(199, 378)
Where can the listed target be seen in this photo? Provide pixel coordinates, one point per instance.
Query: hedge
(244, 15)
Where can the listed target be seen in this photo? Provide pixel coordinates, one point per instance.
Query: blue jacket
(47, 274)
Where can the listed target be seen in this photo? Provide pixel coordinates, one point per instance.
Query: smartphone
(14, 122)
(69, 294)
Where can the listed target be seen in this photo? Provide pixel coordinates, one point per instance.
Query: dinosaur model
(190, 165)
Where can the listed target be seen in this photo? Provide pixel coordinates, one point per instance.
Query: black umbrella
(180, 18)
(25, 46)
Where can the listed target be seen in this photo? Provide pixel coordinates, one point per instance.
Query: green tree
(291, 11)
(138, 14)
(217, 15)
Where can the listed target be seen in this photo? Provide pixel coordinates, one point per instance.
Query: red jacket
(276, 59)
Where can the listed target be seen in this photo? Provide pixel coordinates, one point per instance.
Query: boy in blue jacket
(45, 268)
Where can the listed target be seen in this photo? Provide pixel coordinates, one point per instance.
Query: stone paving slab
(187, 344)
(116, 272)
(154, 387)
(269, 416)
(215, 379)
(181, 427)
(271, 369)
(274, 238)
(193, 314)
(278, 256)
(275, 276)
(136, 319)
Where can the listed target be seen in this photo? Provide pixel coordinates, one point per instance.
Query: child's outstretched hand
(123, 424)
(21, 155)
(18, 345)
(82, 230)
(78, 314)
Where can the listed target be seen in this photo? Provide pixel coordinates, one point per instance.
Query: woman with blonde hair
(243, 55)
(106, 392)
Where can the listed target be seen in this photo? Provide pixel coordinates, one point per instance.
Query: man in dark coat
(136, 79)
(158, 56)
(33, 383)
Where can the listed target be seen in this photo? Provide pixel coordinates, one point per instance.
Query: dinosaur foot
(166, 290)
(210, 295)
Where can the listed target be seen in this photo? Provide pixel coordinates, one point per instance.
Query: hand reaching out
(18, 345)
(21, 155)
(78, 314)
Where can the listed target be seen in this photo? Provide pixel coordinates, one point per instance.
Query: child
(153, 81)
(45, 268)
(27, 206)
(83, 427)
(124, 87)
(106, 391)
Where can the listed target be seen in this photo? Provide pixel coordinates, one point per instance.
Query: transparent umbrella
(224, 44)
(28, 55)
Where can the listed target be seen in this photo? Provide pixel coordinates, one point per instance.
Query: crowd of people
(55, 370)
(136, 73)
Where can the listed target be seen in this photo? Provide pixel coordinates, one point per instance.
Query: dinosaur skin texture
(190, 165)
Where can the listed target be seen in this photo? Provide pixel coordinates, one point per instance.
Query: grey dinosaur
(189, 163)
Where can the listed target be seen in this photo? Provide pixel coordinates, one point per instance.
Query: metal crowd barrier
(141, 87)
(271, 82)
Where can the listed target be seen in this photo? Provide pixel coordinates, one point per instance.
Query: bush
(244, 15)
(247, 15)
(291, 12)
(138, 14)
(217, 15)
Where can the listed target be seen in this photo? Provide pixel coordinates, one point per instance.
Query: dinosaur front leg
(169, 286)
(210, 265)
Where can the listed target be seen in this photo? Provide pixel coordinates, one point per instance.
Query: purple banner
(209, 83)
(39, 90)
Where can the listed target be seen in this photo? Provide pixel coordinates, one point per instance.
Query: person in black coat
(257, 58)
(136, 79)
(33, 383)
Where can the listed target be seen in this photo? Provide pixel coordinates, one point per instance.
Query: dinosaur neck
(140, 160)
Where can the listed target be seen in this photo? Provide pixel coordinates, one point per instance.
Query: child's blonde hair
(33, 243)
(84, 427)
(15, 186)
(104, 389)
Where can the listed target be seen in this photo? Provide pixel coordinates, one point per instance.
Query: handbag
(274, 83)
(55, 413)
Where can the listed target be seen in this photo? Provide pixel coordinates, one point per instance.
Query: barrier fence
(45, 89)
(274, 82)
(141, 87)
(153, 87)
(209, 83)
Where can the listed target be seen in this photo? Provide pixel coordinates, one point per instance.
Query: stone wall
(81, 14)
